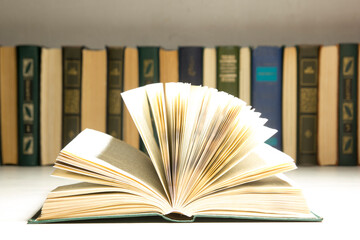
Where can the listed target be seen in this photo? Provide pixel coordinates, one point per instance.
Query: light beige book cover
(169, 65)
(209, 67)
(9, 106)
(289, 110)
(328, 105)
(245, 75)
(131, 81)
(93, 90)
(50, 104)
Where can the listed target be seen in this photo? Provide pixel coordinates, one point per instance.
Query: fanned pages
(206, 157)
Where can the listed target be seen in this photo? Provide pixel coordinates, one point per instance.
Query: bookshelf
(332, 191)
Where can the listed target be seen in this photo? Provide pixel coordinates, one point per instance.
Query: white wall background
(170, 23)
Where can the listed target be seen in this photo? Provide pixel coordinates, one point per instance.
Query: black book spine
(71, 112)
(308, 65)
(115, 64)
(348, 104)
(191, 65)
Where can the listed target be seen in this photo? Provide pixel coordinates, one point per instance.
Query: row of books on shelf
(308, 93)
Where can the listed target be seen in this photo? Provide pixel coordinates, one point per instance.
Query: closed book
(28, 58)
(93, 90)
(131, 81)
(348, 104)
(191, 65)
(169, 65)
(148, 72)
(115, 74)
(328, 105)
(266, 88)
(245, 75)
(209, 67)
(71, 107)
(308, 62)
(9, 105)
(227, 69)
(50, 104)
(289, 101)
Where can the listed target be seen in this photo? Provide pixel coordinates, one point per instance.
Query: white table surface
(332, 192)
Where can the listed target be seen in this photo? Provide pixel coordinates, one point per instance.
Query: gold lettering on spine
(228, 68)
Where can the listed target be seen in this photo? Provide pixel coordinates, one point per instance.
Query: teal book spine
(115, 73)
(28, 58)
(148, 72)
(348, 104)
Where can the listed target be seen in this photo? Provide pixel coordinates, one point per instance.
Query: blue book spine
(266, 89)
(191, 65)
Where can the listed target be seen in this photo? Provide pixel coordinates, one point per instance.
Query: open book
(206, 157)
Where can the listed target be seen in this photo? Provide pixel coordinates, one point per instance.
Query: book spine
(308, 58)
(348, 104)
(209, 67)
(191, 65)
(115, 74)
(93, 90)
(29, 103)
(9, 105)
(148, 73)
(266, 92)
(169, 65)
(245, 75)
(227, 69)
(328, 152)
(289, 102)
(131, 81)
(71, 112)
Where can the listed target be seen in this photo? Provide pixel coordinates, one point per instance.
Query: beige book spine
(131, 81)
(209, 67)
(245, 75)
(289, 93)
(93, 95)
(169, 66)
(50, 104)
(328, 105)
(9, 106)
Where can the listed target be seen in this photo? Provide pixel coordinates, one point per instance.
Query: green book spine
(307, 112)
(115, 74)
(148, 72)
(71, 112)
(348, 104)
(29, 104)
(227, 69)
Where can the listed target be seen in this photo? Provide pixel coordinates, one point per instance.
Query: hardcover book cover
(308, 65)
(266, 92)
(227, 69)
(191, 65)
(71, 113)
(9, 105)
(115, 72)
(348, 104)
(175, 218)
(29, 104)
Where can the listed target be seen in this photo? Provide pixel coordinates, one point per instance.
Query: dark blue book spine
(191, 65)
(266, 89)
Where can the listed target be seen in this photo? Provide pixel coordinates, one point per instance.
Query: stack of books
(307, 92)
